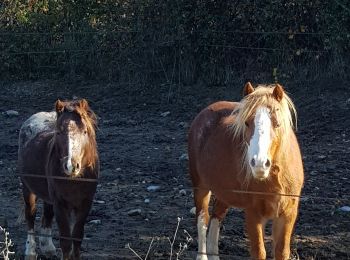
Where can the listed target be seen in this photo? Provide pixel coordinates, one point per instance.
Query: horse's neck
(53, 161)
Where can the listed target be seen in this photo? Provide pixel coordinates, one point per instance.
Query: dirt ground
(140, 145)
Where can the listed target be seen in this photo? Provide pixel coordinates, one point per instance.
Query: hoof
(201, 257)
(59, 253)
(49, 253)
(62, 256)
(214, 257)
(30, 257)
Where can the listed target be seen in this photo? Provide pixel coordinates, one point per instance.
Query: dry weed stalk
(5, 245)
(182, 246)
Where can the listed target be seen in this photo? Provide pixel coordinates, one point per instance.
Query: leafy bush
(149, 40)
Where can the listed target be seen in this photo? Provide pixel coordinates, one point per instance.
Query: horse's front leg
(78, 230)
(282, 232)
(219, 213)
(202, 198)
(62, 218)
(255, 228)
(46, 245)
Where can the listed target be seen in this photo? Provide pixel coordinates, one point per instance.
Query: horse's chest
(268, 208)
(73, 193)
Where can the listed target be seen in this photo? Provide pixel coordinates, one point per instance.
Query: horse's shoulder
(223, 106)
(217, 110)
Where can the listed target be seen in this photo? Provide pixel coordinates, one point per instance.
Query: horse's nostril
(78, 166)
(267, 163)
(252, 162)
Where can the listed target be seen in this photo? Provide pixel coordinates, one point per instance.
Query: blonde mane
(284, 111)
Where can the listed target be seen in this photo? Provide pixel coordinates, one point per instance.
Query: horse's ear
(278, 92)
(59, 106)
(248, 89)
(84, 104)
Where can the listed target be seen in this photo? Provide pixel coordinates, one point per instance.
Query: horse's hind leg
(45, 239)
(202, 198)
(219, 213)
(29, 211)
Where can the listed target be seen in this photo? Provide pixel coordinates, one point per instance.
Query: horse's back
(39, 122)
(210, 121)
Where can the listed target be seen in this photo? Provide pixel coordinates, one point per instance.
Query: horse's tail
(21, 213)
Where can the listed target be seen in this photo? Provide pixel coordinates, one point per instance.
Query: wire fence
(132, 253)
(190, 254)
(141, 55)
(345, 197)
(128, 251)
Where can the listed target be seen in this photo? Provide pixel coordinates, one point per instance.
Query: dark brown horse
(248, 156)
(58, 163)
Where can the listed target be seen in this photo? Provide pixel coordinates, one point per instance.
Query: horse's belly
(73, 193)
(230, 198)
(38, 186)
(225, 186)
(31, 165)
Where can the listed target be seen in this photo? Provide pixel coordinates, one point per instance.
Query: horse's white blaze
(30, 244)
(74, 149)
(69, 159)
(45, 241)
(202, 237)
(213, 238)
(260, 142)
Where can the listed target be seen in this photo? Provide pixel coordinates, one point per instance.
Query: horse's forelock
(85, 113)
(262, 96)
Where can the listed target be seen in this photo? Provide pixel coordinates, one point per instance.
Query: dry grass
(174, 252)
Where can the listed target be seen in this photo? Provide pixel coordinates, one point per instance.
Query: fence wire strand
(305, 197)
(77, 179)
(192, 31)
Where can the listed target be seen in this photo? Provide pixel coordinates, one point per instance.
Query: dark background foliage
(174, 41)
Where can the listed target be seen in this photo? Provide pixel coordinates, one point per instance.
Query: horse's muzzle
(260, 173)
(72, 169)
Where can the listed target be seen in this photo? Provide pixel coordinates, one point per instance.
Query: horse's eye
(246, 124)
(85, 132)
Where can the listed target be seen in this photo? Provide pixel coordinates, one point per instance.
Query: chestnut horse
(58, 163)
(248, 156)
